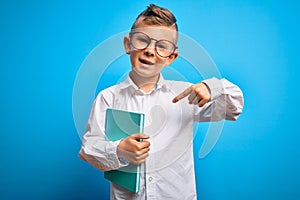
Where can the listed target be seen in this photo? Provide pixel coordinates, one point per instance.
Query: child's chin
(145, 73)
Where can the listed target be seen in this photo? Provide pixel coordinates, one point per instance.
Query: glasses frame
(155, 45)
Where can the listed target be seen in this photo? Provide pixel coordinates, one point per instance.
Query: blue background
(255, 44)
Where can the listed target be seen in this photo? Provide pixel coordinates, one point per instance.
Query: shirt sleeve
(226, 102)
(95, 149)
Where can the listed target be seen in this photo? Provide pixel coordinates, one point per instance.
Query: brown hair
(155, 15)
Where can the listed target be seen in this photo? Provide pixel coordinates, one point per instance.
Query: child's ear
(171, 58)
(126, 42)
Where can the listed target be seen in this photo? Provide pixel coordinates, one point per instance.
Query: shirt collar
(128, 83)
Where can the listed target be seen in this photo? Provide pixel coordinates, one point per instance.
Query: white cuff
(114, 161)
(216, 87)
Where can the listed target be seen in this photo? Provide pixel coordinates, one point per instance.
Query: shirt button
(150, 179)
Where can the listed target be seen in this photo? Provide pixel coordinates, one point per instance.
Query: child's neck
(146, 84)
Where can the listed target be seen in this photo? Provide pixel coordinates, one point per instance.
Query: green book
(120, 124)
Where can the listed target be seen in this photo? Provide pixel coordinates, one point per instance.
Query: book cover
(120, 124)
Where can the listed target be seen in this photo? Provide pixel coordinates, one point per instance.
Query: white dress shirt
(168, 172)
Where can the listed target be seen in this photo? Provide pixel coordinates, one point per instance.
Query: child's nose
(150, 50)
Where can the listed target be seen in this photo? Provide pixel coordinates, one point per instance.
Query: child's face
(151, 47)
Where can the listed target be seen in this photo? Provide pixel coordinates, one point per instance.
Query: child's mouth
(147, 62)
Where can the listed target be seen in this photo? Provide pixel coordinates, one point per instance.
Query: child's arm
(217, 100)
(95, 149)
(107, 155)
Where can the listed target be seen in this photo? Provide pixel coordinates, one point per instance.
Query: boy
(168, 166)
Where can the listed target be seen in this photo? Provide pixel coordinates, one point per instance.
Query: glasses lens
(165, 48)
(140, 40)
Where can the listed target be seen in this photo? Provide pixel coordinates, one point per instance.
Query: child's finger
(182, 95)
(192, 97)
(140, 136)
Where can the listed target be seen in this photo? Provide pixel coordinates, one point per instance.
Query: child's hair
(155, 15)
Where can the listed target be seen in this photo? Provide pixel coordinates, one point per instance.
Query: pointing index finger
(182, 95)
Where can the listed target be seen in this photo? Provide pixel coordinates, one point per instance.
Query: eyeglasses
(141, 41)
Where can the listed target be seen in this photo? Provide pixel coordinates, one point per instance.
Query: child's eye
(161, 46)
(143, 40)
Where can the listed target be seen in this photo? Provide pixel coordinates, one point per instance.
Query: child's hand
(199, 94)
(134, 148)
